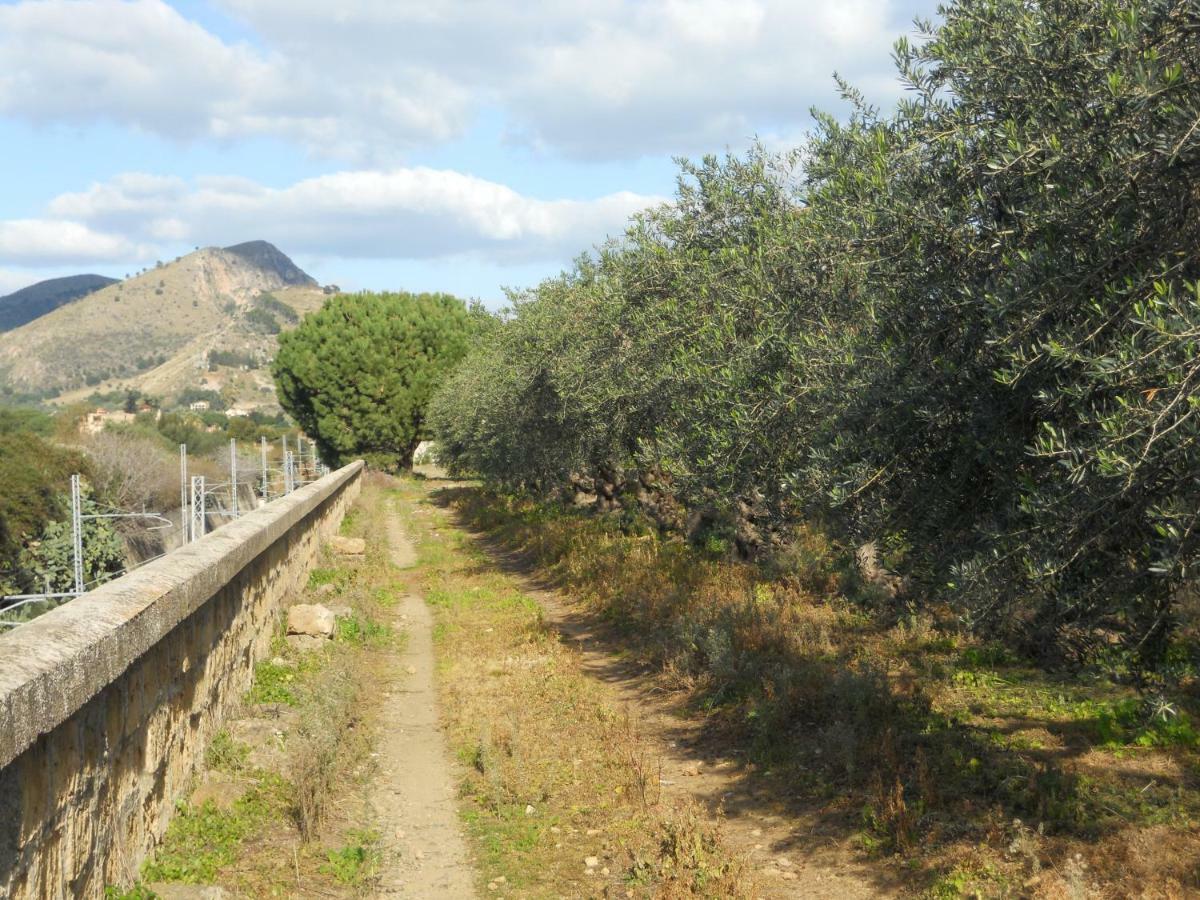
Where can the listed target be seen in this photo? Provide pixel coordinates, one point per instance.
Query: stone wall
(108, 703)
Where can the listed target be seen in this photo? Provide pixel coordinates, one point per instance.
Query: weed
(326, 724)
(360, 631)
(318, 577)
(354, 863)
(225, 754)
(202, 840)
(274, 683)
(138, 892)
(549, 763)
(936, 738)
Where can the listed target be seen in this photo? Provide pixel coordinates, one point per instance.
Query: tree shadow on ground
(846, 757)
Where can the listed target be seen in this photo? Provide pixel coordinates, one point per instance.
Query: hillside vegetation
(157, 332)
(960, 341)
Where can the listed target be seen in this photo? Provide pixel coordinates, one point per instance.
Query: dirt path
(795, 852)
(423, 850)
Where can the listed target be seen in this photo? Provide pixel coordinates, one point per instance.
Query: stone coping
(53, 665)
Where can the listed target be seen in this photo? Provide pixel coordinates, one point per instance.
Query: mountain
(38, 299)
(268, 258)
(208, 320)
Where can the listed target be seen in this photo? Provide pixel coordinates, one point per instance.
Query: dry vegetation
(974, 771)
(555, 773)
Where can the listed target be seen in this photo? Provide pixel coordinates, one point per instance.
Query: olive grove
(966, 329)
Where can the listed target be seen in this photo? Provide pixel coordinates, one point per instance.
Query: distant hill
(38, 299)
(207, 320)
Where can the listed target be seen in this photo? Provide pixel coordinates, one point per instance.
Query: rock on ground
(347, 546)
(310, 618)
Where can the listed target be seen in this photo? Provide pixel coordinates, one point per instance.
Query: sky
(418, 145)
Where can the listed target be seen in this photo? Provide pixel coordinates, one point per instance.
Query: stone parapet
(108, 703)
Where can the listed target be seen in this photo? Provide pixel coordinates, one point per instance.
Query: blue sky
(461, 146)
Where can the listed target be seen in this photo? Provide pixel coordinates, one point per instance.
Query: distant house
(94, 422)
(238, 411)
(199, 406)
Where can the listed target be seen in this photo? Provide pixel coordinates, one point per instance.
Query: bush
(133, 470)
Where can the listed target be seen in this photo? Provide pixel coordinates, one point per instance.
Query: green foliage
(361, 631)
(358, 373)
(233, 358)
(138, 892)
(34, 476)
(18, 419)
(225, 754)
(269, 303)
(274, 683)
(354, 863)
(49, 561)
(203, 840)
(967, 329)
(262, 321)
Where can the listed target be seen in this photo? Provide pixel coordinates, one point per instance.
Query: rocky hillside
(268, 258)
(38, 299)
(207, 320)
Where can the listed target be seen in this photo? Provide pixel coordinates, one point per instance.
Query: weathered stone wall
(107, 704)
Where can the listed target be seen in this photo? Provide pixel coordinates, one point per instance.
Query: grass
(552, 774)
(204, 840)
(355, 863)
(137, 892)
(303, 825)
(928, 744)
(224, 754)
(274, 683)
(361, 631)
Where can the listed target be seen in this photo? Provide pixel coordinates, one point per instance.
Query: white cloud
(38, 242)
(140, 64)
(403, 213)
(371, 79)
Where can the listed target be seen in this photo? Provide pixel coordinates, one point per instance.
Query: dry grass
(990, 777)
(306, 828)
(555, 774)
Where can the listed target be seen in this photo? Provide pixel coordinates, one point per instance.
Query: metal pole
(77, 534)
(198, 510)
(185, 517)
(263, 449)
(300, 458)
(233, 503)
